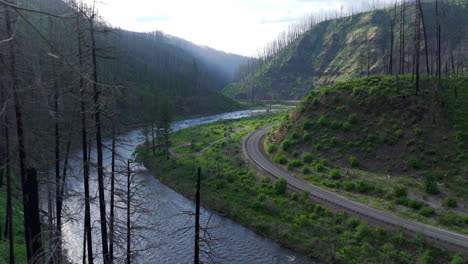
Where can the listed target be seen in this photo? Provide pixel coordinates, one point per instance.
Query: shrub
(308, 158)
(399, 191)
(362, 231)
(294, 196)
(450, 218)
(352, 118)
(340, 108)
(295, 135)
(353, 161)
(348, 186)
(295, 154)
(280, 159)
(346, 126)
(306, 170)
(410, 142)
(353, 222)
(307, 136)
(294, 164)
(315, 101)
(280, 186)
(426, 211)
(322, 121)
(417, 131)
(399, 133)
(457, 259)
(414, 162)
(430, 186)
(450, 202)
(335, 124)
(271, 148)
(415, 204)
(285, 145)
(362, 186)
(335, 174)
(307, 124)
(319, 167)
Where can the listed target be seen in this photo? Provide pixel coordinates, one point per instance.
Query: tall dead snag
(439, 47)
(97, 119)
(196, 258)
(112, 200)
(392, 37)
(30, 188)
(87, 239)
(421, 14)
(56, 135)
(129, 198)
(417, 48)
(402, 38)
(9, 208)
(32, 226)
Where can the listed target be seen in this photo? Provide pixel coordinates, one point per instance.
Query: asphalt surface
(254, 149)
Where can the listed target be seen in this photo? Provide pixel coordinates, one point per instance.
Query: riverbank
(231, 188)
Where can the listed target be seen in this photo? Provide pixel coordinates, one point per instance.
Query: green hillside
(370, 137)
(355, 46)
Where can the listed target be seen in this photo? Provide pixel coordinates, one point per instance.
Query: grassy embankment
(376, 142)
(232, 188)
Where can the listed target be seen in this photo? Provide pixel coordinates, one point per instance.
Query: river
(163, 212)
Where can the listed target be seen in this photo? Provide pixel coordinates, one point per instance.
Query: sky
(236, 26)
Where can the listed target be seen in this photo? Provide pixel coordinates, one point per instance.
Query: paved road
(254, 149)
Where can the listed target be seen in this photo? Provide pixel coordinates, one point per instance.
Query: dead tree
(417, 48)
(129, 236)
(402, 38)
(32, 224)
(112, 200)
(87, 239)
(196, 256)
(9, 209)
(421, 14)
(392, 29)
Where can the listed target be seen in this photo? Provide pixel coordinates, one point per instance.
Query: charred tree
(196, 258)
(98, 127)
(87, 239)
(32, 226)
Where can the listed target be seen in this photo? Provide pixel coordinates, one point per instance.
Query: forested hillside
(377, 42)
(67, 81)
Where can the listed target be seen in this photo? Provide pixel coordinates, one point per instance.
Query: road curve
(254, 150)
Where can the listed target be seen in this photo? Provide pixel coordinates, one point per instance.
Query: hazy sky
(237, 26)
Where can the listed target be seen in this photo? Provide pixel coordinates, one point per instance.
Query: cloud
(149, 19)
(288, 19)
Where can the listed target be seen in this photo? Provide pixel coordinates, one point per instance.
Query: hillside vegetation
(370, 137)
(355, 46)
(232, 188)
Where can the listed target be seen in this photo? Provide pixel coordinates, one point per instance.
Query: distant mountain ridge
(355, 46)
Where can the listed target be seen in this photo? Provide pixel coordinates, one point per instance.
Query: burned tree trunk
(417, 48)
(32, 226)
(196, 258)
(88, 240)
(98, 126)
(112, 202)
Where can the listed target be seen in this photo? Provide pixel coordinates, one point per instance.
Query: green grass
(231, 187)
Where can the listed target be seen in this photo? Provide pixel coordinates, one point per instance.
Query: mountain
(225, 63)
(142, 64)
(355, 46)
